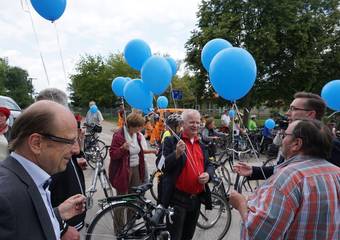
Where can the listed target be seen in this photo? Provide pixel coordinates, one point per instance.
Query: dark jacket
(65, 185)
(120, 163)
(23, 214)
(269, 170)
(173, 167)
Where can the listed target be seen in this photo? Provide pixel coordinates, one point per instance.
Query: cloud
(92, 27)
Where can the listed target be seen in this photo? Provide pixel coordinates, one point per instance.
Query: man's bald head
(40, 117)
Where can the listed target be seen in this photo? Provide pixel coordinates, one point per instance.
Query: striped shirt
(300, 201)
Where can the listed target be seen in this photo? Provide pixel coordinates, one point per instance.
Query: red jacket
(120, 162)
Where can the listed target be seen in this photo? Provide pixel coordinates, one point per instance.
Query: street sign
(177, 94)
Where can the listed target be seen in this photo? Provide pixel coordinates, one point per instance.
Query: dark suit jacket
(173, 167)
(23, 215)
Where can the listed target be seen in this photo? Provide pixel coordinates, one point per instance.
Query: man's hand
(203, 178)
(243, 169)
(180, 148)
(82, 163)
(72, 206)
(239, 202)
(71, 234)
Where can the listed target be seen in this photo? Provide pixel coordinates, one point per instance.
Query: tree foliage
(15, 83)
(296, 44)
(93, 78)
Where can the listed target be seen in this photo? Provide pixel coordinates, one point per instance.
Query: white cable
(36, 38)
(60, 51)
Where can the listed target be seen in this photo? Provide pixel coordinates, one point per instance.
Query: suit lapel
(40, 208)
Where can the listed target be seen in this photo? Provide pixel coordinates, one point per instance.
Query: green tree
(93, 78)
(296, 44)
(19, 86)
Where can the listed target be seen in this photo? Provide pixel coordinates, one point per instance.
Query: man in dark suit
(44, 137)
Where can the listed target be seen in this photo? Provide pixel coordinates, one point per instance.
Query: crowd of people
(42, 163)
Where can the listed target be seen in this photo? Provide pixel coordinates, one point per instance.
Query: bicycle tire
(243, 185)
(103, 225)
(270, 162)
(95, 153)
(217, 218)
(154, 180)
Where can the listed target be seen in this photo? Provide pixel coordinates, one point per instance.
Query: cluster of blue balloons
(331, 94)
(48, 9)
(156, 74)
(232, 70)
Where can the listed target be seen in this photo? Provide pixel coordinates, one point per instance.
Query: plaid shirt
(300, 201)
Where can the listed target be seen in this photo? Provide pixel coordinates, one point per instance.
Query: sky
(90, 27)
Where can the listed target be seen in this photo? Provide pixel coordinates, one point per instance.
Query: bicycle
(94, 148)
(99, 173)
(130, 216)
(220, 215)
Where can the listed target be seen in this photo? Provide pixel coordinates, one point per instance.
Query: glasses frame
(293, 109)
(284, 134)
(59, 139)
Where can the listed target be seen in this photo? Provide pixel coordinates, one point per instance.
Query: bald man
(44, 137)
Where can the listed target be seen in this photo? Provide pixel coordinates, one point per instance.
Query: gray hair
(53, 94)
(189, 112)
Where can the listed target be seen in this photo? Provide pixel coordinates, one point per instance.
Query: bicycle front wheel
(215, 223)
(122, 220)
(95, 153)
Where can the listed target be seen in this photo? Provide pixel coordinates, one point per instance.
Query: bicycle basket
(97, 128)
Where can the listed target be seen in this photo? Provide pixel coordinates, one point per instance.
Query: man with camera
(305, 105)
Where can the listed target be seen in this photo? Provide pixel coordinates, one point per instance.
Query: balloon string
(191, 159)
(172, 95)
(60, 51)
(36, 39)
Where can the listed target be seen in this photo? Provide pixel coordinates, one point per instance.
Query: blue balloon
(147, 110)
(269, 123)
(156, 74)
(137, 94)
(136, 52)
(231, 113)
(232, 73)
(93, 109)
(162, 102)
(211, 48)
(331, 94)
(118, 85)
(49, 9)
(173, 65)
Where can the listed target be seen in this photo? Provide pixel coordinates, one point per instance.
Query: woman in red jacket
(127, 166)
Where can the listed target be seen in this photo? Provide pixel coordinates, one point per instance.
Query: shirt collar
(295, 159)
(38, 175)
(185, 136)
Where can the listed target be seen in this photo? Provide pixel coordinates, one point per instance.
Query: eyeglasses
(59, 139)
(292, 109)
(287, 134)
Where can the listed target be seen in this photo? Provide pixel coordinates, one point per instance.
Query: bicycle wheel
(215, 223)
(245, 186)
(95, 152)
(223, 172)
(154, 179)
(122, 220)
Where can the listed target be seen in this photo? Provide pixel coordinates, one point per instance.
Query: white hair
(189, 112)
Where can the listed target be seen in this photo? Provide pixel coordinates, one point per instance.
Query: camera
(282, 122)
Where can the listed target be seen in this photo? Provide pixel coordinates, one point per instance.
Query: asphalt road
(106, 136)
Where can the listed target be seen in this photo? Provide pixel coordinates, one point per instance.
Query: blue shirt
(39, 177)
